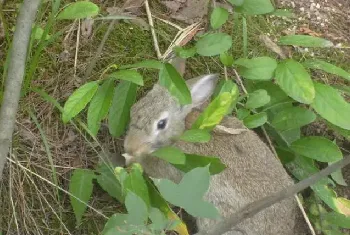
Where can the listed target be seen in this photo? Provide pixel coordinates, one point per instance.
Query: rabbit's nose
(136, 146)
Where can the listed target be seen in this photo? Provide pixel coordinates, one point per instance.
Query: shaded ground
(28, 202)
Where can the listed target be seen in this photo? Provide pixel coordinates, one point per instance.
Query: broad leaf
(327, 67)
(194, 161)
(255, 7)
(185, 53)
(193, 185)
(119, 113)
(291, 118)
(304, 41)
(114, 224)
(149, 64)
(331, 106)
(218, 17)
(343, 88)
(99, 105)
(343, 205)
(318, 148)
(109, 182)
(337, 219)
(291, 135)
(78, 100)
(170, 154)
(255, 120)
(226, 59)
(292, 77)
(242, 113)
(80, 187)
(196, 136)
(337, 176)
(214, 44)
(128, 75)
(257, 99)
(38, 33)
(159, 221)
(172, 80)
(79, 10)
(227, 86)
(259, 68)
(214, 113)
(137, 209)
(236, 2)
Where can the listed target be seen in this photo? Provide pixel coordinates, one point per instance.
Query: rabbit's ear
(202, 88)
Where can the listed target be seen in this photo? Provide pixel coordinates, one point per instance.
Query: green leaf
(38, 33)
(337, 176)
(170, 154)
(196, 136)
(227, 86)
(159, 222)
(341, 131)
(80, 186)
(259, 68)
(255, 120)
(128, 75)
(291, 135)
(114, 223)
(135, 182)
(78, 100)
(337, 219)
(109, 182)
(172, 80)
(119, 113)
(331, 106)
(236, 2)
(343, 206)
(291, 118)
(343, 88)
(327, 67)
(78, 10)
(226, 59)
(185, 53)
(292, 77)
(213, 44)
(193, 185)
(242, 113)
(255, 7)
(318, 148)
(304, 41)
(218, 17)
(99, 105)
(214, 113)
(257, 99)
(137, 209)
(148, 64)
(194, 161)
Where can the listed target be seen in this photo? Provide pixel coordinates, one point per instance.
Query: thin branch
(240, 81)
(15, 76)
(77, 49)
(257, 206)
(154, 36)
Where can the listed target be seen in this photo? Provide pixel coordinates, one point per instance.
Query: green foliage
(78, 100)
(109, 182)
(213, 44)
(179, 194)
(337, 176)
(170, 78)
(337, 219)
(292, 77)
(119, 113)
(255, 7)
(331, 106)
(99, 105)
(196, 136)
(78, 10)
(304, 41)
(259, 68)
(80, 187)
(226, 59)
(193, 161)
(170, 154)
(128, 75)
(257, 99)
(318, 148)
(293, 117)
(185, 53)
(236, 2)
(327, 67)
(218, 17)
(255, 120)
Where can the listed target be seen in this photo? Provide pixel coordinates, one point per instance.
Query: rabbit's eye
(161, 124)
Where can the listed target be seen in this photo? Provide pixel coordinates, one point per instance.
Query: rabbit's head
(158, 119)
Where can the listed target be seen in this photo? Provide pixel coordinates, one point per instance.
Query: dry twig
(154, 36)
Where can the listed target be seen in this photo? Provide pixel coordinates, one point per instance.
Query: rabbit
(252, 172)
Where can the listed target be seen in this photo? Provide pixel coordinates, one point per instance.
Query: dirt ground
(31, 206)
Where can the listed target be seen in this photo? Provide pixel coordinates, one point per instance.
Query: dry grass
(30, 202)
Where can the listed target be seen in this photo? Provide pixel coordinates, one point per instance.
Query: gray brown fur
(252, 170)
